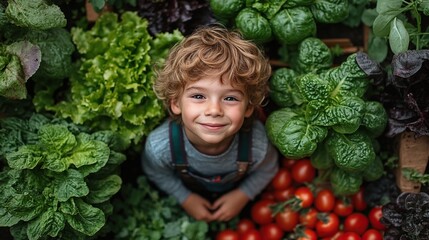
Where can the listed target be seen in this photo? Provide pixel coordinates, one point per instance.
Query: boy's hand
(198, 207)
(229, 205)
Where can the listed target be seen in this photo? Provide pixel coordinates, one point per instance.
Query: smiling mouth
(212, 126)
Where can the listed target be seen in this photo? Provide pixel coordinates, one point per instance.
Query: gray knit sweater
(157, 162)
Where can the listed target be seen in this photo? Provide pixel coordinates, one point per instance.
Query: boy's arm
(162, 174)
(261, 173)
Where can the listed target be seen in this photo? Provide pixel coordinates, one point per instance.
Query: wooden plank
(413, 153)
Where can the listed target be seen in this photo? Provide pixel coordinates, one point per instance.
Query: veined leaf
(27, 157)
(7, 219)
(35, 14)
(89, 156)
(57, 137)
(70, 184)
(399, 39)
(384, 6)
(89, 220)
(103, 189)
(49, 223)
(381, 25)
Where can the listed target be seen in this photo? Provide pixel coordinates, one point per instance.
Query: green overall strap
(180, 161)
(244, 152)
(177, 148)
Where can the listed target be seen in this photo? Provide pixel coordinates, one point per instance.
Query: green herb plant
(396, 25)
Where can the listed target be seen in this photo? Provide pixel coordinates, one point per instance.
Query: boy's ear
(175, 107)
(249, 110)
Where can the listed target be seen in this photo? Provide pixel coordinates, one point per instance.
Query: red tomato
(227, 234)
(343, 209)
(282, 179)
(325, 200)
(349, 236)
(358, 200)
(303, 171)
(372, 234)
(328, 226)
(285, 194)
(271, 231)
(244, 225)
(308, 234)
(252, 234)
(287, 163)
(261, 212)
(356, 222)
(305, 195)
(308, 218)
(374, 216)
(287, 219)
(336, 236)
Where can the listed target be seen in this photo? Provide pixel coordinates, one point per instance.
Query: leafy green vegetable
(374, 170)
(291, 25)
(226, 9)
(112, 88)
(268, 8)
(330, 11)
(374, 118)
(345, 183)
(320, 159)
(35, 14)
(253, 25)
(142, 212)
(292, 135)
(351, 152)
(18, 62)
(55, 180)
(313, 55)
(283, 88)
(333, 124)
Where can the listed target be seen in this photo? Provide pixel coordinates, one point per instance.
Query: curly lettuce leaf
(112, 88)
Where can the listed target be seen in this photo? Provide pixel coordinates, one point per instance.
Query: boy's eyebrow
(208, 89)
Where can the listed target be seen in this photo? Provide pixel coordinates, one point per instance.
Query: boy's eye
(231, 99)
(197, 96)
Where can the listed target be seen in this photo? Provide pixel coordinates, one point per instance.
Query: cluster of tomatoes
(294, 206)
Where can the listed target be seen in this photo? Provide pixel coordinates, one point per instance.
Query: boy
(211, 155)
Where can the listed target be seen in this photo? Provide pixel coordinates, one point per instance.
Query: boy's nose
(214, 108)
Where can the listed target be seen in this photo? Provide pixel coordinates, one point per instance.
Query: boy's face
(212, 113)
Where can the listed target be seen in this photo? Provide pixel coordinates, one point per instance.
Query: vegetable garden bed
(139, 202)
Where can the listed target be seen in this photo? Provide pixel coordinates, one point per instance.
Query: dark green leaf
(384, 6)
(89, 219)
(49, 223)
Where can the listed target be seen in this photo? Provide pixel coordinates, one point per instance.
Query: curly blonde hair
(214, 50)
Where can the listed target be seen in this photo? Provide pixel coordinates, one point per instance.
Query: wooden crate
(413, 153)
